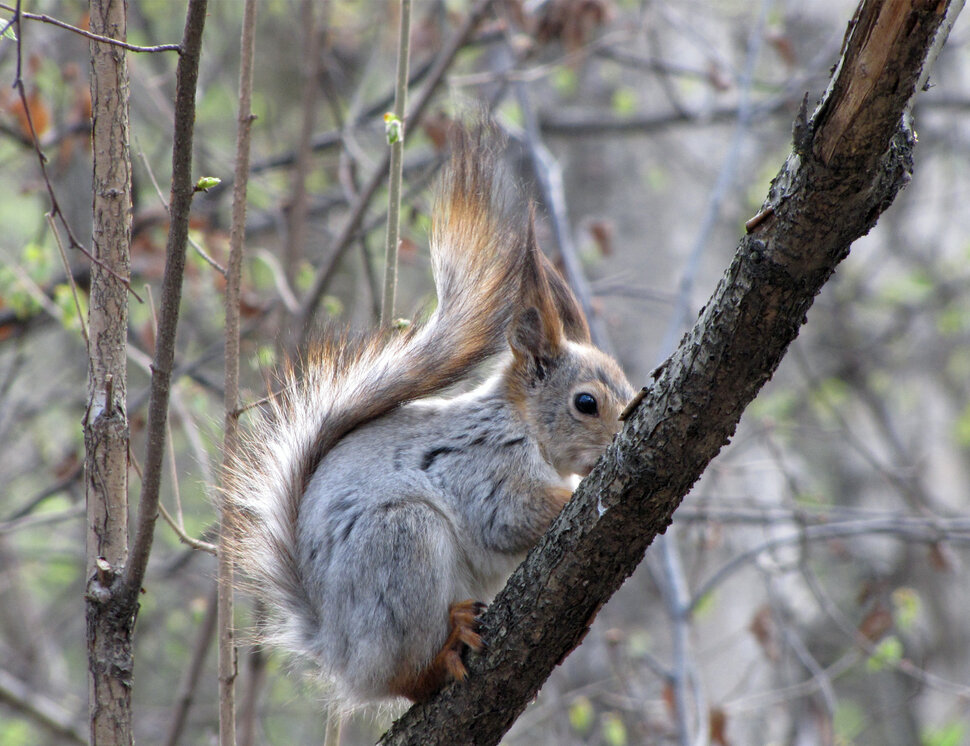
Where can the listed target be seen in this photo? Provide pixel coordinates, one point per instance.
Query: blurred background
(814, 586)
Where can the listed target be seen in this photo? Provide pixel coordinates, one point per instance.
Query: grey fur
(364, 510)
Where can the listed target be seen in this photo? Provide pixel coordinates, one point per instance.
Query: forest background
(823, 555)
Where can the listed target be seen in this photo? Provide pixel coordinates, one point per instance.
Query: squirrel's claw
(463, 622)
(463, 631)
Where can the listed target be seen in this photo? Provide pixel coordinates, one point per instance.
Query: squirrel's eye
(585, 403)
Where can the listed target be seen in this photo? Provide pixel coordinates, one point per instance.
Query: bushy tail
(476, 254)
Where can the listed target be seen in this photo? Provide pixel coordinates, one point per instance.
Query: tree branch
(51, 715)
(396, 141)
(230, 446)
(475, 15)
(190, 678)
(88, 35)
(180, 202)
(847, 165)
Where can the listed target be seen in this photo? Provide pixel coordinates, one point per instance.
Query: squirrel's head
(571, 392)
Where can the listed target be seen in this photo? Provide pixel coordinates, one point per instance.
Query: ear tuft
(535, 293)
(567, 305)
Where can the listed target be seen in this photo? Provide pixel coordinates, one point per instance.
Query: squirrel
(375, 518)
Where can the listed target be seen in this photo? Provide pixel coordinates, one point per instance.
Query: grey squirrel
(375, 520)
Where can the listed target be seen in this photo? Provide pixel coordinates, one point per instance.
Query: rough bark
(106, 421)
(847, 164)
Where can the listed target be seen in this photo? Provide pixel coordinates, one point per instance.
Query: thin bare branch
(255, 678)
(179, 529)
(296, 214)
(190, 680)
(180, 204)
(422, 99)
(70, 279)
(722, 187)
(237, 235)
(44, 519)
(39, 708)
(89, 35)
(910, 529)
(283, 288)
(396, 132)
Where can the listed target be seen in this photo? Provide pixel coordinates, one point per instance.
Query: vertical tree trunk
(106, 421)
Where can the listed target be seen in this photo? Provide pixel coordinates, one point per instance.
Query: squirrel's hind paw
(463, 625)
(447, 664)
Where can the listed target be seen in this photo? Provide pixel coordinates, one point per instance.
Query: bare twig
(190, 680)
(910, 529)
(397, 129)
(88, 35)
(179, 529)
(44, 519)
(37, 293)
(42, 159)
(336, 138)
(283, 288)
(47, 713)
(867, 646)
(608, 125)
(297, 208)
(676, 596)
(908, 486)
(422, 99)
(725, 179)
(176, 524)
(254, 680)
(70, 280)
(59, 486)
(194, 437)
(780, 695)
(161, 198)
(802, 652)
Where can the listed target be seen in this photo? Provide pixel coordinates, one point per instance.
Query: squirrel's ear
(527, 336)
(546, 289)
(567, 305)
(537, 320)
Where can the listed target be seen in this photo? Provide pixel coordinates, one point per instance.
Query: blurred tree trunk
(109, 624)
